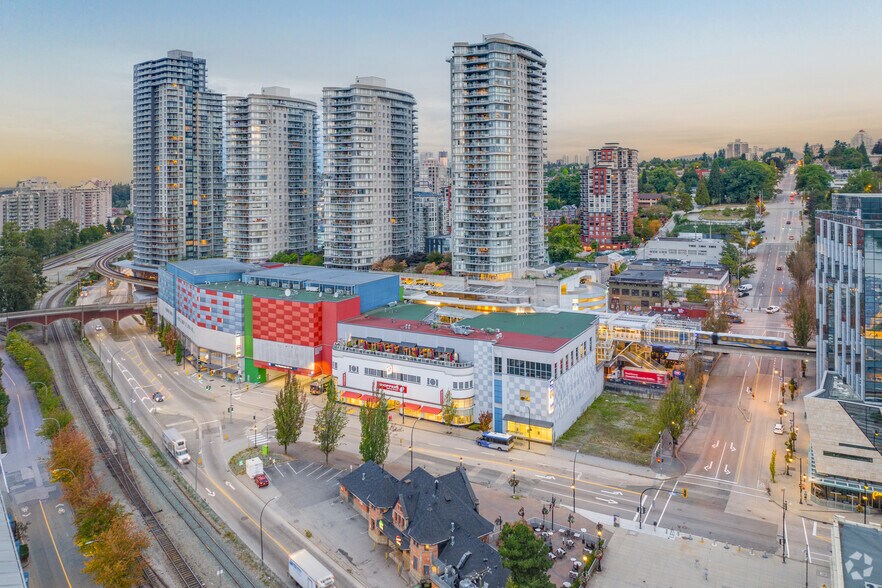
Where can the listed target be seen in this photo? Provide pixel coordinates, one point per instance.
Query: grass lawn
(616, 427)
(718, 213)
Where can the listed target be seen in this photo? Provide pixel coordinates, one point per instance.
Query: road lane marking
(55, 545)
(708, 466)
(23, 424)
(807, 546)
(673, 491)
(8, 375)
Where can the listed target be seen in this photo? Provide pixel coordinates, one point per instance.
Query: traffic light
(685, 492)
(658, 460)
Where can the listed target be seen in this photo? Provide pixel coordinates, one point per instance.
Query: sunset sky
(668, 78)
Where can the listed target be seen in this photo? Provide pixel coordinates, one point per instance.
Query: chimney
(452, 539)
(435, 493)
(362, 476)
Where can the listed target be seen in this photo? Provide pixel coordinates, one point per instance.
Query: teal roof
(404, 312)
(268, 292)
(562, 325)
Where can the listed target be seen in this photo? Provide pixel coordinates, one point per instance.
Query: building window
(497, 365)
(353, 369)
(848, 456)
(497, 391)
(415, 563)
(374, 373)
(530, 369)
(431, 381)
(335, 365)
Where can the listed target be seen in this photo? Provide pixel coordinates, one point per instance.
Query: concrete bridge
(84, 314)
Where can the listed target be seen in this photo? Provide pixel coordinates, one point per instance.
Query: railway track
(87, 252)
(103, 267)
(62, 332)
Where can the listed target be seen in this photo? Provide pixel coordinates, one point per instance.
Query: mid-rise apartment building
(433, 176)
(608, 194)
(498, 145)
(178, 178)
(38, 203)
(369, 139)
(272, 175)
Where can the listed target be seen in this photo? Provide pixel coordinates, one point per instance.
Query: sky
(666, 77)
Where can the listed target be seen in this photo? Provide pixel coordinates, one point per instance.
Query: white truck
(176, 445)
(253, 467)
(308, 572)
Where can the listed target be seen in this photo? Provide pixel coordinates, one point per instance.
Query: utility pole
(783, 527)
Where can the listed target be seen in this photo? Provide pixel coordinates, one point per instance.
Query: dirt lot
(617, 427)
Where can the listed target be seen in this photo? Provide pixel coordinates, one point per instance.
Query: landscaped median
(40, 376)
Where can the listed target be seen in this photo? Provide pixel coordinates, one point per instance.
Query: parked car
(735, 318)
(261, 480)
(779, 429)
(790, 237)
(158, 397)
(745, 287)
(788, 222)
(743, 293)
(779, 268)
(772, 309)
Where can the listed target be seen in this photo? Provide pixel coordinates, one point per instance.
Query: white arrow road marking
(545, 477)
(209, 492)
(732, 447)
(607, 500)
(726, 470)
(616, 493)
(708, 466)
(233, 488)
(716, 444)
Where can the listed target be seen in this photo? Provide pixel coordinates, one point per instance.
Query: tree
(744, 180)
(94, 516)
(673, 409)
(702, 197)
(689, 177)
(684, 200)
(877, 148)
(864, 181)
(485, 420)
(290, 411)
(564, 187)
(4, 409)
(737, 261)
(801, 263)
(118, 560)
(448, 411)
(70, 450)
(663, 179)
(715, 182)
(772, 465)
(374, 418)
(564, 242)
(696, 293)
(149, 318)
(329, 423)
(120, 195)
(807, 154)
(525, 555)
(821, 153)
(717, 319)
(18, 287)
(813, 179)
(799, 309)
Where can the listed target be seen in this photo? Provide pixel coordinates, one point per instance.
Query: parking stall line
(334, 477)
(309, 475)
(291, 468)
(278, 470)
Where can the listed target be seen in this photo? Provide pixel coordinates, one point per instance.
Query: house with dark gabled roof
(431, 523)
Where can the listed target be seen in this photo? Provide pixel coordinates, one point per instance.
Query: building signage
(238, 345)
(390, 387)
(550, 396)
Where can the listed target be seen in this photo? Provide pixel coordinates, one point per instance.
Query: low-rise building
(648, 199)
(714, 279)
(431, 525)
(684, 249)
(636, 289)
(253, 323)
(568, 214)
(535, 373)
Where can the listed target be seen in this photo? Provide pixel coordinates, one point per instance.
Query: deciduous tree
(374, 418)
(485, 420)
(673, 410)
(118, 559)
(94, 515)
(329, 423)
(70, 449)
(448, 411)
(772, 465)
(290, 412)
(799, 308)
(696, 293)
(525, 556)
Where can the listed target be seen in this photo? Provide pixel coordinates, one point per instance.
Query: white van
(745, 287)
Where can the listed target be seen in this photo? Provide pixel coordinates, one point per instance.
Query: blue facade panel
(497, 391)
(497, 420)
(378, 293)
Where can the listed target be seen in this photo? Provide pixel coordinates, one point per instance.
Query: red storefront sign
(645, 376)
(390, 387)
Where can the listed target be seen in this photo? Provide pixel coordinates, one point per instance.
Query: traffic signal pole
(683, 491)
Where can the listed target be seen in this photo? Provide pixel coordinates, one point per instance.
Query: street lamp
(575, 455)
(529, 427)
(64, 470)
(57, 424)
(261, 526)
(783, 527)
(513, 482)
(412, 427)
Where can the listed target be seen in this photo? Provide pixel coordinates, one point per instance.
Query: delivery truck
(308, 572)
(176, 445)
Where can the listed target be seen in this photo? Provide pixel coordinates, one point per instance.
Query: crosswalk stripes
(257, 440)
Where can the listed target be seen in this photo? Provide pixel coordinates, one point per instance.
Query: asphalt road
(54, 558)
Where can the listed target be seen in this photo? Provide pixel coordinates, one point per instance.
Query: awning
(529, 422)
(351, 395)
(411, 406)
(430, 410)
(674, 356)
(369, 398)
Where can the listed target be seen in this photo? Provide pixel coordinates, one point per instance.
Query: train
(741, 340)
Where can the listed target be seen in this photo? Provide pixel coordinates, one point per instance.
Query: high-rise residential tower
(369, 147)
(272, 175)
(178, 176)
(498, 143)
(608, 194)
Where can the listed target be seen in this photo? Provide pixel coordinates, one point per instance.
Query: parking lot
(310, 496)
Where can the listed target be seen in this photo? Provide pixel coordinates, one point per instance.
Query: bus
(498, 441)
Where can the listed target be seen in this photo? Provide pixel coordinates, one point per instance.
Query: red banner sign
(390, 387)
